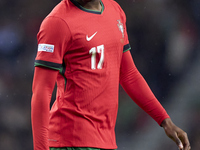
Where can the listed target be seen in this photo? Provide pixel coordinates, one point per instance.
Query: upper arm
(54, 38)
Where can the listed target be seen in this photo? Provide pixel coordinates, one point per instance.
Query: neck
(90, 4)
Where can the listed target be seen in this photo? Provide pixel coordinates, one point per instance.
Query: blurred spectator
(10, 39)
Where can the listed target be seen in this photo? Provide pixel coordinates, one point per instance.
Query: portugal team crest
(121, 27)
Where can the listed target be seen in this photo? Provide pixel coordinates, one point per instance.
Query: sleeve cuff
(47, 64)
(127, 47)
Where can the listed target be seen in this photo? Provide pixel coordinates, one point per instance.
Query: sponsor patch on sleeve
(46, 48)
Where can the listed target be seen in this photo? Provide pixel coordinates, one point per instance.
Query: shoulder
(57, 17)
(61, 9)
(116, 6)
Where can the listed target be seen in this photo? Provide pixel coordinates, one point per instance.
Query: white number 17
(93, 51)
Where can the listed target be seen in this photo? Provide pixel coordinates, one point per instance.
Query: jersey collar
(88, 10)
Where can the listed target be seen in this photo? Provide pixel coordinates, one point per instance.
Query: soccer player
(83, 46)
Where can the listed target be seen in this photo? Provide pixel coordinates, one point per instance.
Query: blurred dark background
(165, 40)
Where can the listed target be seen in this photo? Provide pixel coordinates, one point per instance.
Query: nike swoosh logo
(89, 38)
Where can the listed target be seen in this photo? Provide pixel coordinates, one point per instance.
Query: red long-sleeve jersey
(90, 50)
